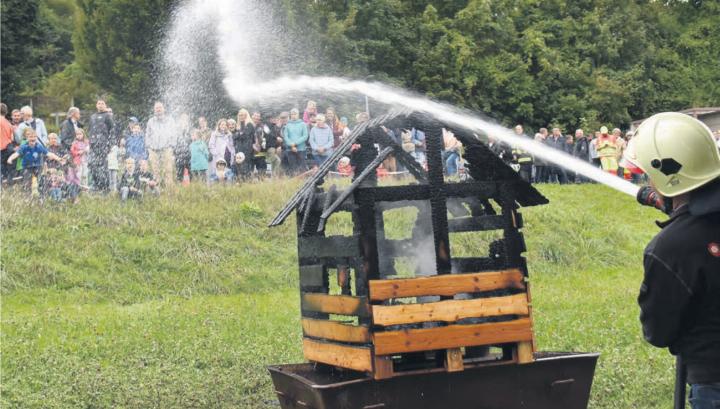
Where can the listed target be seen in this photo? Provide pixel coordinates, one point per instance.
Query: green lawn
(181, 301)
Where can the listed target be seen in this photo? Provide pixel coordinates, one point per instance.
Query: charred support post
(370, 268)
(438, 201)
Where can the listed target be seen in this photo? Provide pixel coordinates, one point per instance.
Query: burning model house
(364, 319)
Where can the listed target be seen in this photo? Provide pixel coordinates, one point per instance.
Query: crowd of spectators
(133, 160)
(602, 149)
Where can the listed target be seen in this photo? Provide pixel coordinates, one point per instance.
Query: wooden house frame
(446, 320)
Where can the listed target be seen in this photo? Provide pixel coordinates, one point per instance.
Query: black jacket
(67, 133)
(100, 133)
(582, 149)
(130, 180)
(558, 143)
(680, 294)
(243, 139)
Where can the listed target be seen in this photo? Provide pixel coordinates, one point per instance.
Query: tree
(35, 44)
(116, 43)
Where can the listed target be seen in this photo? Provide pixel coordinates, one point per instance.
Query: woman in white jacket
(221, 145)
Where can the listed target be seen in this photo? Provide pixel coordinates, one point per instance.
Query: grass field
(182, 301)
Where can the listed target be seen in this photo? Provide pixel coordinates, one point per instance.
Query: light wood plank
(383, 368)
(452, 336)
(450, 310)
(357, 358)
(446, 284)
(454, 360)
(335, 331)
(335, 304)
(524, 352)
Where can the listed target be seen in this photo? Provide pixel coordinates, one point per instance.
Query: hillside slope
(181, 301)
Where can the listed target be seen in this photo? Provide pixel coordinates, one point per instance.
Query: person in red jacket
(6, 143)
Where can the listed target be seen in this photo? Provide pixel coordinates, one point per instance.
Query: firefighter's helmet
(677, 151)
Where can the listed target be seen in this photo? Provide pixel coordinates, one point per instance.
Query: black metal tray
(555, 380)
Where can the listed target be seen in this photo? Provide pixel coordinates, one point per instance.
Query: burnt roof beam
(325, 166)
(358, 180)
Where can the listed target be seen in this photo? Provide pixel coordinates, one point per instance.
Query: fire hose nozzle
(647, 196)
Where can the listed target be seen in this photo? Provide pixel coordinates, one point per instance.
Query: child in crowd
(129, 185)
(55, 183)
(79, 151)
(344, 167)
(147, 179)
(21, 142)
(72, 183)
(346, 128)
(239, 164)
(56, 148)
(113, 161)
(33, 158)
(222, 175)
(321, 140)
(135, 143)
(407, 142)
(199, 156)
(310, 111)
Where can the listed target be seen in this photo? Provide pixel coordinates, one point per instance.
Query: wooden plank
(357, 358)
(452, 336)
(312, 275)
(454, 360)
(335, 304)
(335, 331)
(450, 310)
(447, 285)
(383, 368)
(524, 352)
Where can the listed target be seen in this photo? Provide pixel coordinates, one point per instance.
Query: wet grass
(181, 301)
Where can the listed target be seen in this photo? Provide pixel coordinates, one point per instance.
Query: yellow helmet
(677, 152)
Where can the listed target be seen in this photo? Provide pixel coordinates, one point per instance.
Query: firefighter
(680, 294)
(525, 161)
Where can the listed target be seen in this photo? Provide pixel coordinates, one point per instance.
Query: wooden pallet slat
(452, 336)
(454, 360)
(450, 310)
(351, 357)
(446, 284)
(524, 352)
(335, 304)
(335, 331)
(383, 368)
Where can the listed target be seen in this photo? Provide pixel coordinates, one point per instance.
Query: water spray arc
(393, 96)
(238, 46)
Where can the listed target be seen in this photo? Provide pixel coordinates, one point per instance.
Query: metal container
(554, 380)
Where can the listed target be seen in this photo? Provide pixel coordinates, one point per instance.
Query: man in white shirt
(161, 135)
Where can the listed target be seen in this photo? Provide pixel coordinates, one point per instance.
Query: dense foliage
(36, 42)
(537, 62)
(570, 63)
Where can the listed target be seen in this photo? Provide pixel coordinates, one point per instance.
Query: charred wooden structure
(454, 312)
